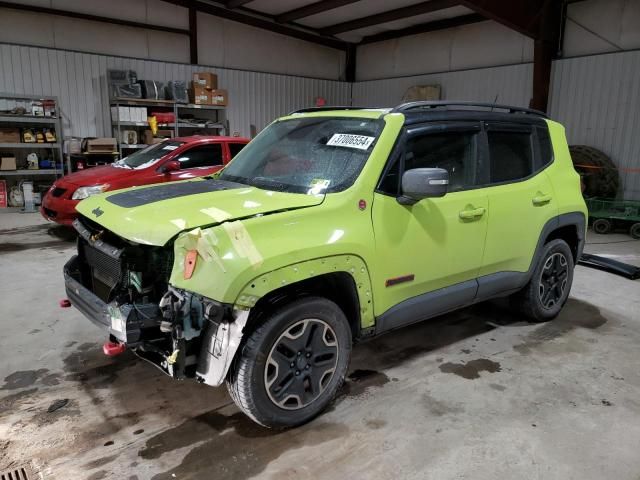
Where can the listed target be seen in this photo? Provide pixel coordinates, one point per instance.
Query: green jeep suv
(331, 226)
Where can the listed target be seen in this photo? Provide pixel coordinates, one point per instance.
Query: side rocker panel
(351, 264)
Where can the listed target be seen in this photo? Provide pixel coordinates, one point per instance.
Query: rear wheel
(291, 366)
(548, 289)
(601, 226)
(634, 231)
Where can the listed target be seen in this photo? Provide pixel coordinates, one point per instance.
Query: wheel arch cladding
(568, 233)
(344, 279)
(570, 227)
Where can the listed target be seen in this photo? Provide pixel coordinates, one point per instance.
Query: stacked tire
(598, 173)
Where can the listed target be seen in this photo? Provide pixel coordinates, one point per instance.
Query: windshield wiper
(269, 183)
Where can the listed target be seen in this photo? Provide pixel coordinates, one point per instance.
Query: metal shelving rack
(220, 126)
(26, 121)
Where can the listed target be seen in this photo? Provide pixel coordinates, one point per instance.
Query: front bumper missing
(127, 323)
(210, 348)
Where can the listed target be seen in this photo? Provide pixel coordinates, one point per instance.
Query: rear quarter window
(545, 148)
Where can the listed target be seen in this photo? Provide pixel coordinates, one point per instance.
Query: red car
(176, 159)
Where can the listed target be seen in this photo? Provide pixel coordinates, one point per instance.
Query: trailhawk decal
(361, 142)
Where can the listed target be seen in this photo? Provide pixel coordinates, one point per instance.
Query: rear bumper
(127, 323)
(59, 210)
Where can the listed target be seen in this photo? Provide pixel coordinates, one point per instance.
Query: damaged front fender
(353, 265)
(219, 345)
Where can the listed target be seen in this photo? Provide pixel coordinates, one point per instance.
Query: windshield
(306, 155)
(151, 154)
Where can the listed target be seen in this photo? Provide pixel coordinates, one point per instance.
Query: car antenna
(495, 101)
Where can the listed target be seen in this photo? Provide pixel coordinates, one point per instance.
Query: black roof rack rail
(405, 107)
(320, 109)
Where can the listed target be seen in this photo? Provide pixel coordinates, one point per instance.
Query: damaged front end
(123, 287)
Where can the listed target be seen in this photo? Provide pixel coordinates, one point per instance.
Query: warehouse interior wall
(595, 87)
(592, 27)
(221, 42)
(595, 90)
(602, 26)
(485, 44)
(79, 80)
(234, 45)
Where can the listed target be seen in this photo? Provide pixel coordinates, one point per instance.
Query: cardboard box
(37, 109)
(219, 98)
(9, 135)
(49, 108)
(200, 95)
(122, 114)
(101, 145)
(142, 114)
(8, 163)
(165, 133)
(149, 139)
(205, 79)
(138, 114)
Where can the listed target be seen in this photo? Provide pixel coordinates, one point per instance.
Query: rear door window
(510, 155)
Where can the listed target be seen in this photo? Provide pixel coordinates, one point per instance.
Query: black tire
(601, 226)
(531, 299)
(634, 231)
(598, 173)
(251, 378)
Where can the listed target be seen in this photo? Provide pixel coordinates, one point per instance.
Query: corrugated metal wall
(79, 81)
(509, 85)
(597, 98)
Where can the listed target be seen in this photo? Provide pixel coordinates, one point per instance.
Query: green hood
(154, 215)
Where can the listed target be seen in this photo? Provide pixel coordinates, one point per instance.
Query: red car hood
(99, 175)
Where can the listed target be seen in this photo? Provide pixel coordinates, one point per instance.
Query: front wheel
(291, 366)
(634, 231)
(548, 289)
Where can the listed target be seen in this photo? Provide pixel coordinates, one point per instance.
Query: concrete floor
(478, 394)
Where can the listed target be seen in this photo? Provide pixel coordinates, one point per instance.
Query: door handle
(541, 199)
(472, 214)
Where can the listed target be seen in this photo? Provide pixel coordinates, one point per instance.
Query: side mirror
(419, 183)
(170, 166)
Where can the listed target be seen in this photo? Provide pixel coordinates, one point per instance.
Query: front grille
(110, 276)
(106, 271)
(58, 192)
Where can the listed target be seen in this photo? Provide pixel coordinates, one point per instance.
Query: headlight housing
(84, 192)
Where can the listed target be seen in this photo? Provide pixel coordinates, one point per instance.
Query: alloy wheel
(553, 280)
(301, 364)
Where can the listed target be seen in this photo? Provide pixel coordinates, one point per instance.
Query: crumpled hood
(153, 215)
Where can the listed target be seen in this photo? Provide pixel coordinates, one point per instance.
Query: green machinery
(607, 215)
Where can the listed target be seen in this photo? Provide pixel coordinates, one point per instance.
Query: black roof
(429, 111)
